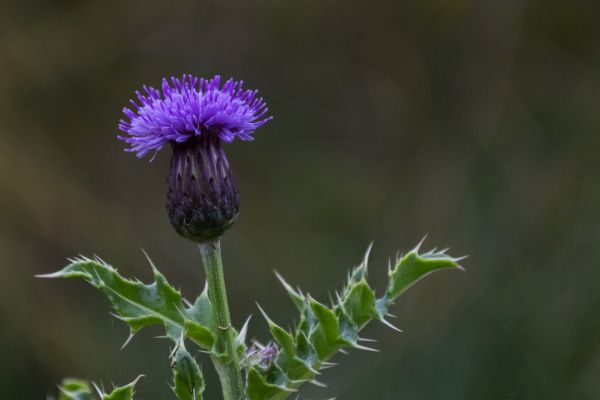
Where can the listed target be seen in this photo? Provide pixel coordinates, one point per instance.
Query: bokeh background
(475, 122)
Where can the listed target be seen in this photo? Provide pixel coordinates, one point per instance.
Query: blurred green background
(475, 122)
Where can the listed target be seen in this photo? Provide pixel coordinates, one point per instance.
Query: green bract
(321, 330)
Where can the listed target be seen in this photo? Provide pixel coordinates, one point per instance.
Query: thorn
(390, 325)
(366, 259)
(457, 259)
(418, 246)
(181, 343)
(266, 317)
(135, 381)
(317, 383)
(361, 339)
(312, 370)
(120, 318)
(244, 330)
(361, 347)
(172, 353)
(131, 335)
(100, 260)
(339, 298)
(286, 285)
(187, 302)
(154, 269)
(344, 352)
(327, 365)
(48, 276)
(98, 390)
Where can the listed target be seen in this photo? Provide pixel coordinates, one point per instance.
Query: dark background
(475, 122)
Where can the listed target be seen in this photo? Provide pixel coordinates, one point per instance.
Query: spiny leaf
(257, 387)
(188, 381)
(297, 297)
(287, 360)
(323, 331)
(326, 336)
(359, 303)
(413, 267)
(199, 334)
(75, 389)
(140, 305)
(120, 392)
(305, 350)
(201, 311)
(281, 336)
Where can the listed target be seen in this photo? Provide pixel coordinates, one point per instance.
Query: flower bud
(202, 199)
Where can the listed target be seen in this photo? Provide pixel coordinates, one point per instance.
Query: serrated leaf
(201, 311)
(359, 303)
(257, 387)
(283, 338)
(323, 331)
(348, 330)
(413, 267)
(326, 336)
(75, 389)
(199, 322)
(305, 350)
(199, 334)
(307, 320)
(122, 392)
(137, 304)
(188, 381)
(297, 297)
(140, 305)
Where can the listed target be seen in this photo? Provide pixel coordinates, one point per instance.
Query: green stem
(226, 361)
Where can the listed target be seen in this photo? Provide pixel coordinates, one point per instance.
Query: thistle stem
(226, 361)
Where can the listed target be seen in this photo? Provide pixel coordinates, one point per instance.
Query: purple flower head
(261, 355)
(187, 107)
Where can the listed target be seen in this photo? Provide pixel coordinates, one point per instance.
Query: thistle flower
(195, 116)
(260, 355)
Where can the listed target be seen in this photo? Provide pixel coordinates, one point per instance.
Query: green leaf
(413, 267)
(199, 324)
(188, 381)
(201, 311)
(323, 331)
(359, 303)
(140, 305)
(199, 334)
(297, 297)
(121, 392)
(283, 338)
(326, 336)
(75, 389)
(257, 387)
